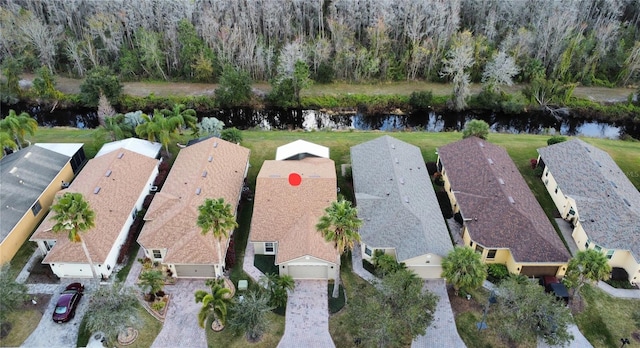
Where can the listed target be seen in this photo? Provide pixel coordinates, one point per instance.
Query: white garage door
(308, 272)
(427, 272)
(195, 271)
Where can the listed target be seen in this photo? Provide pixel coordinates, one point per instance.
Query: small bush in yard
(158, 306)
(497, 271)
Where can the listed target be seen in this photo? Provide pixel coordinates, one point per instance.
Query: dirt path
(161, 88)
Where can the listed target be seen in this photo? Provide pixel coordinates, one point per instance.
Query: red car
(68, 302)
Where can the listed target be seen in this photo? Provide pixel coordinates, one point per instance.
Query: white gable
(141, 146)
(67, 149)
(299, 147)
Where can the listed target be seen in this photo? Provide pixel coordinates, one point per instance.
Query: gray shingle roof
(601, 191)
(35, 169)
(396, 200)
(499, 207)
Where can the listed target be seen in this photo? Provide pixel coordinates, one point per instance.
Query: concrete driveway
(307, 317)
(49, 334)
(181, 327)
(442, 332)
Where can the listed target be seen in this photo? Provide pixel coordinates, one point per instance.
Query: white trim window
(269, 248)
(157, 254)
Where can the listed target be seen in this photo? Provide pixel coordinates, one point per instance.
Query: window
(546, 181)
(491, 254)
(572, 211)
(367, 251)
(134, 213)
(586, 244)
(479, 249)
(546, 174)
(49, 244)
(610, 254)
(556, 189)
(597, 248)
(157, 254)
(269, 248)
(36, 208)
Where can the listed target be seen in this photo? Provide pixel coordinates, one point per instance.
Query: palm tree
(214, 303)
(586, 266)
(340, 225)
(18, 125)
(113, 309)
(158, 128)
(216, 216)
(114, 127)
(6, 142)
(278, 286)
(151, 282)
(463, 268)
(186, 117)
(250, 315)
(72, 214)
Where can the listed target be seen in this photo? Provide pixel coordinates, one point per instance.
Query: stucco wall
(25, 227)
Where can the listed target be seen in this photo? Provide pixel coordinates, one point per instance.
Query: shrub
(556, 139)
(421, 100)
(496, 272)
(158, 306)
(437, 179)
(432, 167)
(533, 162)
(538, 172)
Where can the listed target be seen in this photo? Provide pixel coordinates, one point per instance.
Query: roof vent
(274, 175)
(588, 149)
(613, 184)
(511, 200)
(215, 144)
(210, 158)
(490, 160)
(108, 173)
(393, 146)
(406, 199)
(396, 160)
(598, 163)
(626, 202)
(13, 170)
(27, 155)
(481, 144)
(501, 181)
(402, 181)
(96, 190)
(204, 174)
(198, 191)
(120, 155)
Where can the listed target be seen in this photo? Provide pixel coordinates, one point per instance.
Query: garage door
(537, 271)
(427, 272)
(308, 272)
(195, 271)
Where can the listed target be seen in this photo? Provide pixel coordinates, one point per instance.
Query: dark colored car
(68, 302)
(553, 285)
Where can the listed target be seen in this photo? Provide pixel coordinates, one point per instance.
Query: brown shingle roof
(497, 204)
(171, 217)
(288, 214)
(112, 205)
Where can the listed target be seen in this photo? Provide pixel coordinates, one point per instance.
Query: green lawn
(226, 338)
(23, 323)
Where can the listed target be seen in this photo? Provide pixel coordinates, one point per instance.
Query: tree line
(594, 42)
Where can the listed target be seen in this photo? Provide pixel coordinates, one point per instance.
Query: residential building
(398, 206)
(291, 195)
(596, 197)
(29, 179)
(208, 169)
(502, 220)
(115, 186)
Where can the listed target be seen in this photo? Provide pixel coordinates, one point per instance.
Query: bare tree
(459, 58)
(500, 71)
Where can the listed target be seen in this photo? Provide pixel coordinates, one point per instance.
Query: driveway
(307, 317)
(49, 334)
(181, 327)
(579, 341)
(442, 332)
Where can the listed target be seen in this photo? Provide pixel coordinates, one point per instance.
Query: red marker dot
(295, 179)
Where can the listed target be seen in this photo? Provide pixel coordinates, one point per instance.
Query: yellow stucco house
(398, 206)
(29, 180)
(596, 197)
(501, 219)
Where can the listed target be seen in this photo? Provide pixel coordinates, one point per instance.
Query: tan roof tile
(288, 214)
(171, 217)
(113, 204)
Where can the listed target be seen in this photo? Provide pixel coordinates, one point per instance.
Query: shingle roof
(24, 175)
(396, 200)
(601, 191)
(288, 214)
(173, 213)
(499, 215)
(113, 204)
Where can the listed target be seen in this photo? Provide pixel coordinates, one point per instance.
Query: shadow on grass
(335, 304)
(265, 263)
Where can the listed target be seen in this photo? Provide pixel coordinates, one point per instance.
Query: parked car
(68, 302)
(553, 285)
